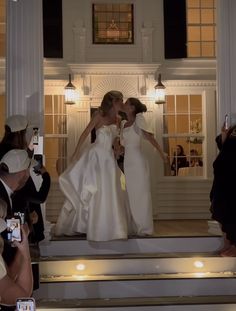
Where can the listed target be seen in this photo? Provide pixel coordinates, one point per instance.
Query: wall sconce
(70, 93)
(160, 93)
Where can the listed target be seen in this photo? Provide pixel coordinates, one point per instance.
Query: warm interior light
(70, 93)
(160, 93)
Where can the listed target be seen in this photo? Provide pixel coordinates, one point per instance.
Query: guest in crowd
(27, 199)
(195, 159)
(222, 194)
(179, 160)
(15, 279)
(14, 172)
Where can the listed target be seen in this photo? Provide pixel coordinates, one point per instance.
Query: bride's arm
(150, 137)
(94, 121)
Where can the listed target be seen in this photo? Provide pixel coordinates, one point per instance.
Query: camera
(13, 230)
(25, 304)
(39, 159)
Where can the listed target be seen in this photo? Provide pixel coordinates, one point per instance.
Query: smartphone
(13, 229)
(39, 159)
(25, 304)
(35, 136)
(226, 123)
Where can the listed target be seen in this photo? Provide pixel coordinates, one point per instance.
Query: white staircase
(165, 274)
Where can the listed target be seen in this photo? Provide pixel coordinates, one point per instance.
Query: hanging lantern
(160, 94)
(70, 93)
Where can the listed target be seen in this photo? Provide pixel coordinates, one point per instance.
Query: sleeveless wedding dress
(94, 199)
(137, 177)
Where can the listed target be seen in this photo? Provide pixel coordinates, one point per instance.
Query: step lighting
(80, 267)
(198, 264)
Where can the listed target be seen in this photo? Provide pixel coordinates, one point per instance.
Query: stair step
(137, 286)
(75, 246)
(55, 269)
(142, 303)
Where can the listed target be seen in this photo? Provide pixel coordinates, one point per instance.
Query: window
(55, 141)
(190, 28)
(201, 28)
(183, 137)
(113, 24)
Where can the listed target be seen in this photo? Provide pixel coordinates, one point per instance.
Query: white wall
(77, 20)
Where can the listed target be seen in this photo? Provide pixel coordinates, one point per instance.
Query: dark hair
(139, 107)
(181, 150)
(17, 140)
(107, 101)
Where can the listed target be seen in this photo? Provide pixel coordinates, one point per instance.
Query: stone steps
(200, 303)
(166, 274)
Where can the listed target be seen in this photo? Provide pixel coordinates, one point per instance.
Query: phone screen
(25, 304)
(39, 159)
(35, 136)
(13, 230)
(226, 122)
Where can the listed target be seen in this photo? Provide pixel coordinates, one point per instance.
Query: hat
(17, 123)
(17, 160)
(3, 225)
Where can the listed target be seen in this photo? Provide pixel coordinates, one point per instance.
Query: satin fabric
(95, 200)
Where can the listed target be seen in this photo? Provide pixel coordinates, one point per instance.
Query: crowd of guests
(20, 201)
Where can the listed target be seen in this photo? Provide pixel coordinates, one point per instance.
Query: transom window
(113, 24)
(201, 28)
(183, 136)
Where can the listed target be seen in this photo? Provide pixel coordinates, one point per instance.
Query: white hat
(17, 160)
(17, 123)
(3, 225)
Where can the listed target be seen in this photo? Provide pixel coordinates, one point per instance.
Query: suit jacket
(27, 200)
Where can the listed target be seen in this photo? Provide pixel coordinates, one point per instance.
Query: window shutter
(52, 28)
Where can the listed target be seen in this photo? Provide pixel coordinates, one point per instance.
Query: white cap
(17, 123)
(17, 160)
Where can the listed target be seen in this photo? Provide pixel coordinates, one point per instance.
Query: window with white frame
(183, 134)
(201, 28)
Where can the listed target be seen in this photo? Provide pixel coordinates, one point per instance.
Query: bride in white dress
(94, 200)
(136, 168)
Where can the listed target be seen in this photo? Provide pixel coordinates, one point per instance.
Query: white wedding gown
(95, 201)
(137, 177)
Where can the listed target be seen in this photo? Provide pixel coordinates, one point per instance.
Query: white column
(226, 59)
(24, 77)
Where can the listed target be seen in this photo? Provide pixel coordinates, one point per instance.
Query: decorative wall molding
(114, 68)
(189, 83)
